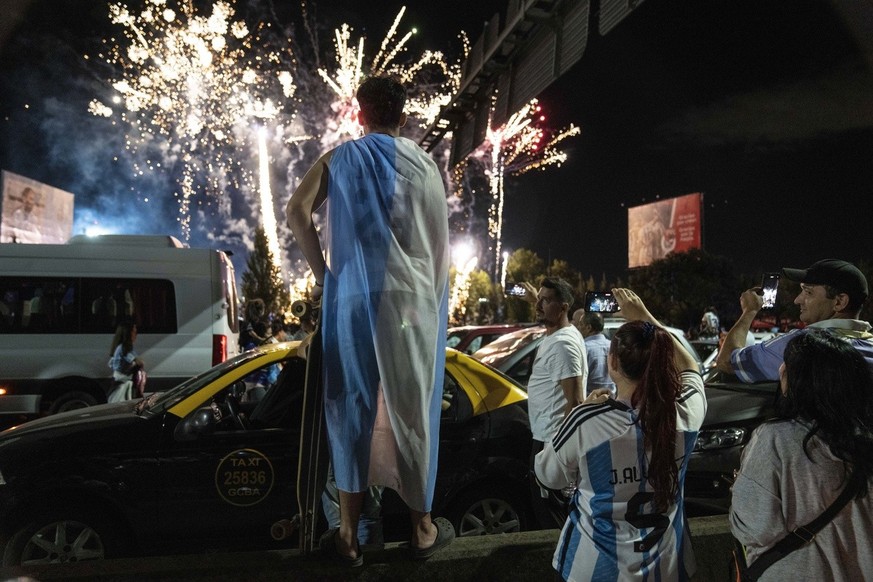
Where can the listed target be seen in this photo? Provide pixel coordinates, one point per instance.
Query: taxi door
(227, 488)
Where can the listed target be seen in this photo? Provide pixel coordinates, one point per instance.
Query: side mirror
(201, 423)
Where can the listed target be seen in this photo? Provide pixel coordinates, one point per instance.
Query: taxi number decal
(244, 477)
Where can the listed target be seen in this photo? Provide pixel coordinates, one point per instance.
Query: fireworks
(433, 80)
(203, 94)
(188, 86)
(465, 262)
(517, 147)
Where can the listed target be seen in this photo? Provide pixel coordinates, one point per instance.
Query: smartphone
(515, 290)
(769, 285)
(601, 302)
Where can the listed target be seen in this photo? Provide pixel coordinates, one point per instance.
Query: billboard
(33, 212)
(662, 227)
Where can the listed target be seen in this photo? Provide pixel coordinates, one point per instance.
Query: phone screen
(770, 285)
(601, 302)
(515, 290)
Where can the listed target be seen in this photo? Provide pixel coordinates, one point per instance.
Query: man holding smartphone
(832, 293)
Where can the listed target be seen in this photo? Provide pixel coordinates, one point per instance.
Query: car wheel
(486, 511)
(63, 537)
(72, 401)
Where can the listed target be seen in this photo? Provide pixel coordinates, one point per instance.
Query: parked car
(734, 410)
(514, 353)
(62, 304)
(469, 338)
(708, 352)
(204, 466)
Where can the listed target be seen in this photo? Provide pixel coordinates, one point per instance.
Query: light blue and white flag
(384, 315)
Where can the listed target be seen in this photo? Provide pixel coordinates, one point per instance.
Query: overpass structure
(522, 50)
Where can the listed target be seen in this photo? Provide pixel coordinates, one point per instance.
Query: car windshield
(504, 347)
(165, 400)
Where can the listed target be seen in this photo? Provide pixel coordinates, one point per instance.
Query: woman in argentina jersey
(628, 458)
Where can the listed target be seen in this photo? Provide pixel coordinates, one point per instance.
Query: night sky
(766, 110)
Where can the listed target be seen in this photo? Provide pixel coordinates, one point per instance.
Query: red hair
(645, 354)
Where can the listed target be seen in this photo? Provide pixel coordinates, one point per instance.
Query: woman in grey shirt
(795, 466)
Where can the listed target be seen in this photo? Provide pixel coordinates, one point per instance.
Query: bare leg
(424, 532)
(350, 514)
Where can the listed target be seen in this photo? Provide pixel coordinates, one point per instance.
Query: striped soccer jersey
(613, 532)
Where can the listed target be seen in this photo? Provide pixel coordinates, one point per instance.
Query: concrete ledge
(522, 556)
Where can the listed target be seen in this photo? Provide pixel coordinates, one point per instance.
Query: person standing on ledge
(384, 314)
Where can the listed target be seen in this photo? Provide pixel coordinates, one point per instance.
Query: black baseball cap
(841, 275)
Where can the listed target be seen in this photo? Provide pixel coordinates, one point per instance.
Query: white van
(60, 305)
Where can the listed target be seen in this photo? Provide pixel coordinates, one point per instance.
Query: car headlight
(719, 438)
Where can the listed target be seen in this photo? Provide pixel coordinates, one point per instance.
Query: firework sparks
(186, 83)
(465, 262)
(517, 147)
(193, 87)
(432, 78)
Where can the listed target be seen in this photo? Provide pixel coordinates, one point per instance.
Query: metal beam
(538, 41)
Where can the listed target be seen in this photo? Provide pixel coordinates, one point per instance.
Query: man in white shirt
(557, 381)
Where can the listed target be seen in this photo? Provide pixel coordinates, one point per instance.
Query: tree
(522, 266)
(482, 312)
(680, 286)
(263, 279)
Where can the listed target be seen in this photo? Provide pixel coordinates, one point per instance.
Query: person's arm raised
(750, 302)
(633, 309)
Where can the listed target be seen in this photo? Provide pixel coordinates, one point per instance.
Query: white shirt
(560, 355)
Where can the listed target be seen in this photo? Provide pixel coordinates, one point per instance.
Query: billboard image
(659, 228)
(33, 212)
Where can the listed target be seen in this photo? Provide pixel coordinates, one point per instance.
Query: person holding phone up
(832, 293)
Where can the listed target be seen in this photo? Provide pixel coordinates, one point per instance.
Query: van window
(85, 305)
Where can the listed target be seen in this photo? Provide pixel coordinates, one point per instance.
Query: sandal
(327, 546)
(445, 535)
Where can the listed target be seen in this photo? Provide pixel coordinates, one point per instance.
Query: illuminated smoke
(188, 85)
(211, 101)
(465, 262)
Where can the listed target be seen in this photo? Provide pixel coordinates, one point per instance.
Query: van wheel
(62, 537)
(72, 401)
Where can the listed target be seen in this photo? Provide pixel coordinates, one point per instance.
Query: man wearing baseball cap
(832, 293)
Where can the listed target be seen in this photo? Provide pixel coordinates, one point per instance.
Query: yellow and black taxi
(212, 463)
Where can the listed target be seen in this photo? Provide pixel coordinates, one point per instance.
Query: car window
(456, 404)
(281, 404)
(521, 370)
(475, 344)
(498, 352)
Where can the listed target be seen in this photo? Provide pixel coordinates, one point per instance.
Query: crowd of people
(613, 422)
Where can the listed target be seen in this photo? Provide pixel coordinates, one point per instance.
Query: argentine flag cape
(384, 316)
